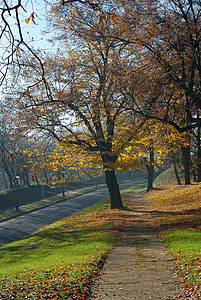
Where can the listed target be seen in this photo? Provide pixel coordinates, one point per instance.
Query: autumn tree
(79, 102)
(12, 142)
(167, 36)
(13, 32)
(161, 142)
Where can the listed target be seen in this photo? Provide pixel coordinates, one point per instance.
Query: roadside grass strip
(177, 212)
(12, 213)
(62, 260)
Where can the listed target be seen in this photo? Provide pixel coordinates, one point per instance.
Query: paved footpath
(22, 226)
(139, 266)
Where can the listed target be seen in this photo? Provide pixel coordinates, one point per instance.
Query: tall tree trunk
(150, 169)
(4, 177)
(37, 182)
(26, 176)
(24, 179)
(199, 168)
(186, 163)
(10, 177)
(176, 173)
(198, 156)
(194, 175)
(174, 160)
(113, 188)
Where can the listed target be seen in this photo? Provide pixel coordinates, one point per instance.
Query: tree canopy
(124, 84)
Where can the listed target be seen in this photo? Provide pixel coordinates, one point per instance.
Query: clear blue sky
(35, 32)
(32, 33)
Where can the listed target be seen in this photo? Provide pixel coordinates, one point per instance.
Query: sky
(33, 32)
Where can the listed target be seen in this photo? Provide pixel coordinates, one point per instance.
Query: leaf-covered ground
(60, 261)
(177, 211)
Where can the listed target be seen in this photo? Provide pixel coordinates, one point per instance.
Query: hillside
(167, 178)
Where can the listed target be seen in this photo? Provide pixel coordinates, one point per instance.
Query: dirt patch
(139, 266)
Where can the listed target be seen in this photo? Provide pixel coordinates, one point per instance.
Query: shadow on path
(139, 266)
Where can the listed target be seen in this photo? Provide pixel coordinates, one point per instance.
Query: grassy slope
(167, 178)
(60, 261)
(177, 210)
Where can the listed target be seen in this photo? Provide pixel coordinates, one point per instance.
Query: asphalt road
(25, 225)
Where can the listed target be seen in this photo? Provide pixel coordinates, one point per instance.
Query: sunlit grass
(60, 261)
(177, 211)
(133, 188)
(64, 254)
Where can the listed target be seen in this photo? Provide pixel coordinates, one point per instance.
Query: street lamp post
(63, 172)
(17, 181)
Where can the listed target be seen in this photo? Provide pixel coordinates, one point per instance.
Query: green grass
(60, 261)
(57, 261)
(12, 213)
(185, 247)
(133, 188)
(177, 210)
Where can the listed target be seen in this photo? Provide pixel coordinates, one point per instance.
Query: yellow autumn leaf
(75, 10)
(32, 17)
(27, 20)
(17, 49)
(72, 13)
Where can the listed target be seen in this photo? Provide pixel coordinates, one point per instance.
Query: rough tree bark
(150, 169)
(176, 173)
(186, 162)
(113, 188)
(198, 156)
(174, 161)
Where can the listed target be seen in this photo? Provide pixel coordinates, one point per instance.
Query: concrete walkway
(139, 267)
(24, 225)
